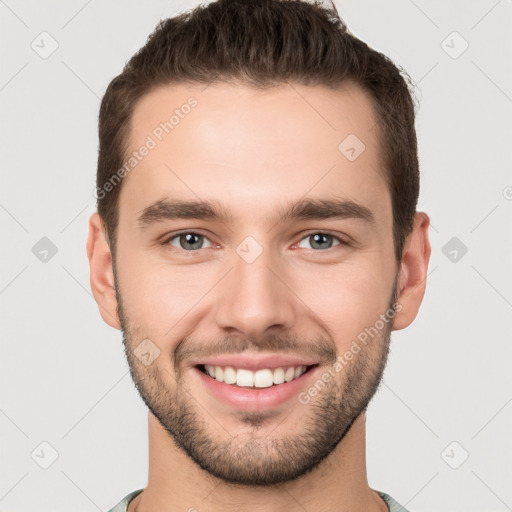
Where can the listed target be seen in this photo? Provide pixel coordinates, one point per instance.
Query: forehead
(254, 149)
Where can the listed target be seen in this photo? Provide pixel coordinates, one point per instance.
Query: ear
(101, 271)
(412, 279)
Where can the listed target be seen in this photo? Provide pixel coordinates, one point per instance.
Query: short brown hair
(264, 43)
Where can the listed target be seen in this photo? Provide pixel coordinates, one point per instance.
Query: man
(256, 242)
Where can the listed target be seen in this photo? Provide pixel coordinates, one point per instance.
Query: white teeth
(245, 378)
(261, 378)
(278, 376)
(229, 375)
(289, 375)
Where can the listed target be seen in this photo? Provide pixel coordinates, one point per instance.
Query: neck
(338, 484)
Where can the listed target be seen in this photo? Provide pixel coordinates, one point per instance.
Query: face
(254, 255)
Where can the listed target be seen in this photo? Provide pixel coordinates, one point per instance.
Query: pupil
(192, 240)
(319, 239)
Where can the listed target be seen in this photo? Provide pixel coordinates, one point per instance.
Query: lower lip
(256, 399)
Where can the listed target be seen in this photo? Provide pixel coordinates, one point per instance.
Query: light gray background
(64, 379)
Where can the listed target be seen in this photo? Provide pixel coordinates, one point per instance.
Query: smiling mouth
(263, 378)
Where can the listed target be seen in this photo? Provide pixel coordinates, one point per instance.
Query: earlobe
(101, 271)
(412, 279)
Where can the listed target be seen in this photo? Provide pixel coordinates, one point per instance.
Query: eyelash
(168, 239)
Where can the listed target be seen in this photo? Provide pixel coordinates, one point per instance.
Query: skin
(255, 151)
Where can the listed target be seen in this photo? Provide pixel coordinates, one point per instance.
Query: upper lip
(256, 361)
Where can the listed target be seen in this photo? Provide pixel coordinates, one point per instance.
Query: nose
(256, 298)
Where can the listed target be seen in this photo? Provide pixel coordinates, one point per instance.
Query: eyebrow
(304, 209)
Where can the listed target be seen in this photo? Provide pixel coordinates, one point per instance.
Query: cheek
(157, 296)
(346, 299)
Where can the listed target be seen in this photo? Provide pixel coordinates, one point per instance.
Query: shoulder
(392, 504)
(122, 506)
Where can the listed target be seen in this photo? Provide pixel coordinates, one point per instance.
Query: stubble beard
(255, 459)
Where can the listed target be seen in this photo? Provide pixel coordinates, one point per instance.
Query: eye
(320, 241)
(188, 241)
